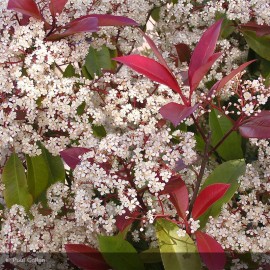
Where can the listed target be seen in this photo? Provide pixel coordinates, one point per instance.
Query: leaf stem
(205, 159)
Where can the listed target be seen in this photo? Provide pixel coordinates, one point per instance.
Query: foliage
(139, 158)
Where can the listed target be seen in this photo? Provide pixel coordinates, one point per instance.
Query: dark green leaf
(99, 131)
(228, 173)
(37, 175)
(176, 252)
(227, 27)
(113, 53)
(96, 60)
(80, 109)
(231, 147)
(119, 253)
(85, 73)
(69, 72)
(265, 70)
(200, 144)
(55, 166)
(15, 182)
(155, 14)
(259, 44)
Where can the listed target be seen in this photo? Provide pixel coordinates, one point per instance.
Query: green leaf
(231, 147)
(227, 27)
(81, 108)
(85, 73)
(37, 175)
(176, 252)
(96, 60)
(228, 173)
(15, 182)
(113, 54)
(55, 166)
(155, 14)
(265, 70)
(119, 253)
(43, 171)
(200, 144)
(258, 44)
(69, 72)
(99, 131)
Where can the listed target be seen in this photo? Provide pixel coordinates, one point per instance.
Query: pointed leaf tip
(207, 197)
(203, 55)
(151, 69)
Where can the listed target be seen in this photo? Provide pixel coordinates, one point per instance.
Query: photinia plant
(152, 174)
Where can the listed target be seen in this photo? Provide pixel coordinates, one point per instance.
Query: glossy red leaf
(203, 52)
(183, 52)
(57, 6)
(221, 83)
(151, 69)
(260, 29)
(178, 192)
(201, 72)
(155, 50)
(26, 7)
(75, 27)
(176, 113)
(122, 222)
(85, 257)
(110, 20)
(210, 251)
(71, 155)
(207, 197)
(257, 126)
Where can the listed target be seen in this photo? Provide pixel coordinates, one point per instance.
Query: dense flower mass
(128, 167)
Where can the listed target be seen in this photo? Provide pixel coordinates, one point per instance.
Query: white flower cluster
(244, 224)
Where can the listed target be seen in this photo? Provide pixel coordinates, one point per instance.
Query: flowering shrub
(134, 134)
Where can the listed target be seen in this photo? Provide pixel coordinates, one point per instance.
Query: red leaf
(175, 112)
(207, 197)
(71, 155)
(110, 20)
(121, 221)
(26, 7)
(178, 192)
(156, 51)
(201, 71)
(183, 52)
(211, 251)
(203, 52)
(257, 126)
(221, 83)
(86, 257)
(260, 29)
(151, 69)
(74, 27)
(57, 6)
